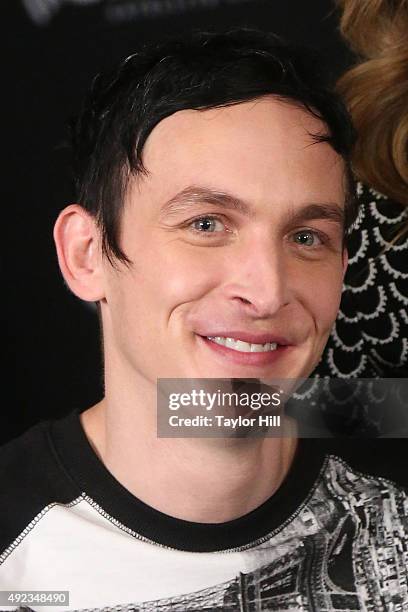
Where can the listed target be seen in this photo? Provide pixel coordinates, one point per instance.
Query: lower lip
(241, 358)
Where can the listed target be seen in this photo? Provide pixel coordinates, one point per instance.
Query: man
(214, 195)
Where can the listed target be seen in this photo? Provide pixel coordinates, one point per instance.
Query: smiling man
(214, 196)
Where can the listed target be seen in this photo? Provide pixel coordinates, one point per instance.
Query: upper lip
(252, 337)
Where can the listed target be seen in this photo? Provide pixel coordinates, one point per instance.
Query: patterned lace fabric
(370, 336)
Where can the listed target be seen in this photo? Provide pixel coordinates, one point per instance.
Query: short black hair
(201, 71)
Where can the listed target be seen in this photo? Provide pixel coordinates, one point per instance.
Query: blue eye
(307, 238)
(206, 225)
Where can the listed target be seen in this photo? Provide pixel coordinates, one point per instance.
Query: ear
(77, 240)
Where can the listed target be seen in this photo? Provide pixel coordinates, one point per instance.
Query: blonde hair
(376, 92)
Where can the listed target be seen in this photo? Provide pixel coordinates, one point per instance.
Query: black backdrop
(50, 51)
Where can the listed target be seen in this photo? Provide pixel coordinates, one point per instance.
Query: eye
(308, 238)
(207, 225)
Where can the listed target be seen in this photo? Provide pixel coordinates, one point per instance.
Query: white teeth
(243, 347)
(259, 348)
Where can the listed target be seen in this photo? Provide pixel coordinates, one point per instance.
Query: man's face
(236, 233)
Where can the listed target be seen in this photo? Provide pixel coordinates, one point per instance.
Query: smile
(242, 346)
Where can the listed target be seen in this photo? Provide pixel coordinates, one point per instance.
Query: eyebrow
(326, 210)
(194, 195)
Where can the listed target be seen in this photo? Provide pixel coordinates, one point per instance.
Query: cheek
(322, 294)
(185, 274)
(160, 282)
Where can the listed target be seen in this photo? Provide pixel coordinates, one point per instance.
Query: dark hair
(201, 71)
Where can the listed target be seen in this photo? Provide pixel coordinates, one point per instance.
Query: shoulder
(377, 506)
(31, 479)
(380, 461)
(363, 506)
(20, 455)
(28, 461)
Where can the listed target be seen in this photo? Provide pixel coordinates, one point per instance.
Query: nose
(260, 280)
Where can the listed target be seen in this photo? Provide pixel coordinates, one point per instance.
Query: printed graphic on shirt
(345, 549)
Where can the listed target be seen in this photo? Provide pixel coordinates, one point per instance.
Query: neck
(194, 479)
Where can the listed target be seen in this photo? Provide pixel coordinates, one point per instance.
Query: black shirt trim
(83, 466)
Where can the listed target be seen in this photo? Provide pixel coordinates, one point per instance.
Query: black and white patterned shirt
(370, 336)
(333, 537)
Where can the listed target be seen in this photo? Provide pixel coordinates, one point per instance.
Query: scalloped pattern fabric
(370, 336)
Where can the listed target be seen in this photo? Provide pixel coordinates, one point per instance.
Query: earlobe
(76, 238)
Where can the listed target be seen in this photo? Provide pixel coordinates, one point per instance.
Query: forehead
(262, 151)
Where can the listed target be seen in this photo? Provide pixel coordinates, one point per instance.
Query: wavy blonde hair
(376, 92)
